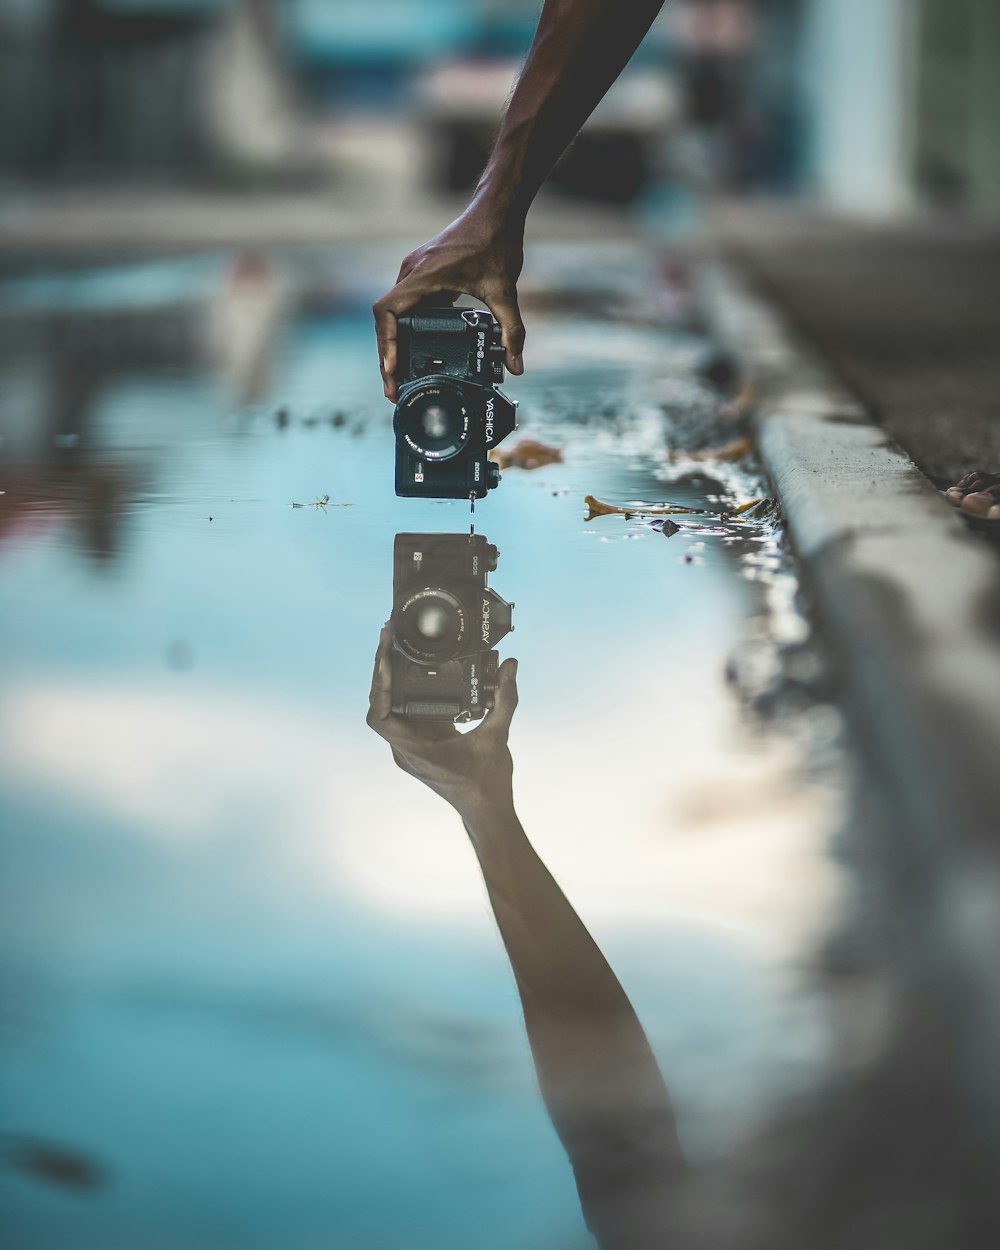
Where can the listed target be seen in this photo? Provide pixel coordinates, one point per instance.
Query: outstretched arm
(597, 1074)
(579, 49)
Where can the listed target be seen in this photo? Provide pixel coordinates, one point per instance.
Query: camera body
(445, 623)
(450, 412)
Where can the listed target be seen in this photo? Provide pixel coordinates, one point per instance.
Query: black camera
(450, 411)
(445, 622)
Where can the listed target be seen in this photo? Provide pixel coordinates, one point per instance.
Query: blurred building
(904, 102)
(94, 88)
(876, 106)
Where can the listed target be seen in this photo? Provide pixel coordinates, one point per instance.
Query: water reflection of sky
(249, 964)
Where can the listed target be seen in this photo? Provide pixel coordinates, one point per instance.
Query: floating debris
(741, 405)
(766, 507)
(609, 509)
(52, 1162)
(735, 449)
(721, 369)
(322, 503)
(529, 453)
(596, 509)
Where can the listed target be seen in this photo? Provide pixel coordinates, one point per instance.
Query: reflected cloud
(726, 841)
(170, 766)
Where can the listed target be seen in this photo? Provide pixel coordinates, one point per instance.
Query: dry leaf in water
(609, 509)
(734, 450)
(529, 453)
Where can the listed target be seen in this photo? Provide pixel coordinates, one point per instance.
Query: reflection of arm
(596, 1071)
(595, 1068)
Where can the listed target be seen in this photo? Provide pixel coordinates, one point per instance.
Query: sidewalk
(907, 316)
(907, 604)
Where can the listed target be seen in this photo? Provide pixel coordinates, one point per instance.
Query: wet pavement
(254, 994)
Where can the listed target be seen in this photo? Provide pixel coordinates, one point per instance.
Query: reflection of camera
(445, 622)
(450, 412)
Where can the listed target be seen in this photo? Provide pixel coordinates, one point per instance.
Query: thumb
(505, 309)
(505, 701)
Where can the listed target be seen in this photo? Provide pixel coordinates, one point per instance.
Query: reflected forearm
(579, 49)
(595, 1067)
(555, 958)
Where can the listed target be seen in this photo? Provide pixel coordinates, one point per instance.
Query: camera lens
(433, 420)
(431, 621)
(429, 626)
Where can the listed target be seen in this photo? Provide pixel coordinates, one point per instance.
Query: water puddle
(250, 965)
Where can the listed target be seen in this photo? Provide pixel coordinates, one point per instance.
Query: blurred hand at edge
(476, 254)
(472, 771)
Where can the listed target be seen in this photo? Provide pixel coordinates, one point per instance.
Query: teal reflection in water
(249, 969)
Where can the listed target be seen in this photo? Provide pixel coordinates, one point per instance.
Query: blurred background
(252, 993)
(875, 106)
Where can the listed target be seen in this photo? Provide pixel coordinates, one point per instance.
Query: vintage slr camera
(450, 411)
(445, 622)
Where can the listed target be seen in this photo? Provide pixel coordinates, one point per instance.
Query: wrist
(487, 815)
(496, 206)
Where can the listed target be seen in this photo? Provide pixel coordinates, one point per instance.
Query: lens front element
(430, 626)
(433, 420)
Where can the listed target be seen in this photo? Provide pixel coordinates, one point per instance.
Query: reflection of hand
(473, 771)
(476, 254)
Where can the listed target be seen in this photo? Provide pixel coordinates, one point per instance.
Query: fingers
(505, 308)
(385, 333)
(505, 701)
(412, 287)
(386, 312)
(380, 699)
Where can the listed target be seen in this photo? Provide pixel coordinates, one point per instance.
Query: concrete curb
(907, 603)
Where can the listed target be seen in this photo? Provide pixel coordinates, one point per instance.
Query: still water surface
(250, 969)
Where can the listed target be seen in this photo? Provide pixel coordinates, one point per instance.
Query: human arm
(579, 49)
(596, 1071)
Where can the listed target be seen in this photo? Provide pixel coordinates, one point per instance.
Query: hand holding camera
(472, 771)
(480, 253)
(445, 624)
(436, 666)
